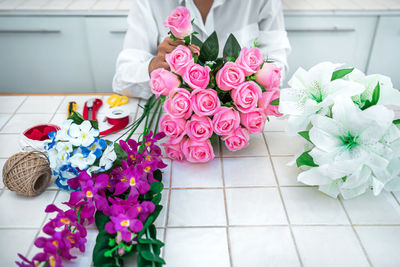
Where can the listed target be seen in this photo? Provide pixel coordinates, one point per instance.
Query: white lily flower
(83, 134)
(388, 95)
(313, 92)
(348, 149)
(62, 134)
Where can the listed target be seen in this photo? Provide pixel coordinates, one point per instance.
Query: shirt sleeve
(140, 46)
(273, 40)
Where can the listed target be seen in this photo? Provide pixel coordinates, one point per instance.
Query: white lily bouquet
(352, 137)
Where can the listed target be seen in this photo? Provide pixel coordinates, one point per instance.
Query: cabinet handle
(118, 31)
(29, 31)
(330, 29)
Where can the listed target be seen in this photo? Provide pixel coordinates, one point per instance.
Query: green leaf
(147, 255)
(101, 219)
(187, 40)
(151, 241)
(157, 199)
(396, 122)
(156, 188)
(305, 135)
(157, 175)
(305, 160)
(121, 154)
(101, 247)
(232, 47)
(375, 98)
(275, 102)
(76, 117)
(196, 41)
(340, 73)
(210, 48)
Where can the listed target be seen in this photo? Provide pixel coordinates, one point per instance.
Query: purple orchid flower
(63, 218)
(25, 262)
(144, 209)
(133, 178)
(124, 220)
(54, 260)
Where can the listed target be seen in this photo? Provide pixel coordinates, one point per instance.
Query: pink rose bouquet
(207, 97)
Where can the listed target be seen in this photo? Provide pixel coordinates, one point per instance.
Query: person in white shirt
(146, 41)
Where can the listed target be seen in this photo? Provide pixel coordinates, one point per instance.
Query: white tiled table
(243, 209)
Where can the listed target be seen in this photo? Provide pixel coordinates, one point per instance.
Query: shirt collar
(215, 4)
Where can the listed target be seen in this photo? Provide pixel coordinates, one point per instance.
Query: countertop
(242, 209)
(123, 5)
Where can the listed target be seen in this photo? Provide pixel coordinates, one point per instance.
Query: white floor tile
(275, 124)
(287, 175)
(256, 147)
(262, 246)
(186, 174)
(58, 119)
(9, 144)
(62, 196)
(21, 122)
(40, 104)
(254, 206)
(370, 209)
(9, 104)
(3, 119)
(124, 5)
(248, 172)
(381, 244)
(306, 205)
(81, 5)
(200, 207)
(160, 222)
(280, 143)
(20, 211)
(329, 246)
(196, 247)
(166, 173)
(13, 242)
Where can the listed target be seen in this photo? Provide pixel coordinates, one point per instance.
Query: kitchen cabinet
(385, 56)
(340, 39)
(105, 39)
(44, 54)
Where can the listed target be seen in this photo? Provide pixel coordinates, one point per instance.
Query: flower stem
(150, 245)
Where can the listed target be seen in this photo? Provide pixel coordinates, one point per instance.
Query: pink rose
(226, 120)
(163, 81)
(205, 102)
(196, 76)
(246, 96)
(229, 76)
(254, 121)
(173, 149)
(178, 104)
(199, 128)
(173, 127)
(179, 59)
(250, 60)
(196, 151)
(179, 22)
(266, 99)
(237, 140)
(269, 76)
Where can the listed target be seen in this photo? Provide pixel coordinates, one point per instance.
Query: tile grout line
(355, 233)
(41, 226)
(228, 238)
(283, 203)
(58, 107)
(395, 198)
(167, 209)
(13, 113)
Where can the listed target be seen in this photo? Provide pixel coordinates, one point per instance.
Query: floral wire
(149, 105)
(158, 119)
(155, 113)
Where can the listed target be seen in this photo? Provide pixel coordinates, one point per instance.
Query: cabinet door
(105, 37)
(340, 39)
(385, 57)
(44, 55)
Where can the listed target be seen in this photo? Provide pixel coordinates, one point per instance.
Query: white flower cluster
(354, 141)
(75, 148)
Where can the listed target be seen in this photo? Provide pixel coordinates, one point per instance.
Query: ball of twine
(27, 173)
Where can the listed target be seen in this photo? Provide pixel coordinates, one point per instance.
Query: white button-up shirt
(249, 20)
